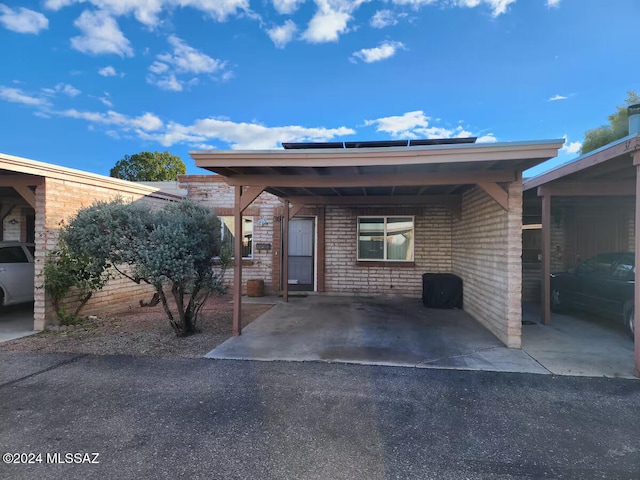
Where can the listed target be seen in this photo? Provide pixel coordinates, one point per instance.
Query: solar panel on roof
(378, 143)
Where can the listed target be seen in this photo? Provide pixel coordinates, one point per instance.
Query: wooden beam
(545, 281)
(20, 180)
(589, 188)
(285, 252)
(237, 262)
(636, 319)
(369, 180)
(380, 200)
(496, 192)
(249, 194)
(295, 209)
(26, 193)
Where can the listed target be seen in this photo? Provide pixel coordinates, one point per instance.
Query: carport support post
(237, 262)
(636, 162)
(285, 252)
(545, 281)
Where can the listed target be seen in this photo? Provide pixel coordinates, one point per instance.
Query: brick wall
(345, 275)
(56, 202)
(487, 248)
(211, 191)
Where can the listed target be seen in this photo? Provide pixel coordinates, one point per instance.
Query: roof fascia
(48, 170)
(627, 144)
(379, 156)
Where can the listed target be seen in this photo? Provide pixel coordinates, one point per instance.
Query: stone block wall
(344, 274)
(487, 249)
(58, 200)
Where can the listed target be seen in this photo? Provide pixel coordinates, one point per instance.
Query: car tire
(629, 320)
(557, 304)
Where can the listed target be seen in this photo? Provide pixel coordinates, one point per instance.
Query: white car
(16, 272)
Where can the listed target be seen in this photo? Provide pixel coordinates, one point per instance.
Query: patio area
(399, 331)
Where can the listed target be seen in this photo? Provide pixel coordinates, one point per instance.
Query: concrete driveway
(402, 332)
(16, 321)
(377, 331)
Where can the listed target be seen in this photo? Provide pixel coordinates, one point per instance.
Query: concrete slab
(578, 344)
(16, 321)
(373, 331)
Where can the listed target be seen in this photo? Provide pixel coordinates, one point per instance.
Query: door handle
(2, 270)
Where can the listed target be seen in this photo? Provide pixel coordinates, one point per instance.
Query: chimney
(634, 119)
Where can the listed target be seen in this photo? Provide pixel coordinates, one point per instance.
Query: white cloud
(143, 123)
(555, 98)
(183, 60)
(168, 82)
(64, 88)
(249, 136)
(326, 27)
(16, 95)
(22, 20)
(381, 52)
(105, 100)
(570, 147)
(553, 3)
(330, 20)
(488, 138)
(283, 34)
(148, 11)
(287, 7)
(100, 35)
(400, 125)
(108, 71)
(385, 18)
(186, 59)
(498, 7)
(417, 125)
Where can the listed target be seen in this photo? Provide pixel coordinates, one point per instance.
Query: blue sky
(84, 82)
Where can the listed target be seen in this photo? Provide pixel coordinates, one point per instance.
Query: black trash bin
(441, 290)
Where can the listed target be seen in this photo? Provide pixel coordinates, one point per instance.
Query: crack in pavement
(44, 370)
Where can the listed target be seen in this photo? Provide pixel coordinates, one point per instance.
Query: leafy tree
(618, 127)
(149, 167)
(67, 273)
(172, 249)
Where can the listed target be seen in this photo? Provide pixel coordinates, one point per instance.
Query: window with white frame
(388, 238)
(228, 226)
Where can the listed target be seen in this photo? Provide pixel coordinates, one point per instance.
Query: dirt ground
(141, 331)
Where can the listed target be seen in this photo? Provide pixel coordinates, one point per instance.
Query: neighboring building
(39, 198)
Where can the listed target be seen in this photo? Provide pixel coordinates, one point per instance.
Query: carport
(608, 176)
(478, 185)
(53, 194)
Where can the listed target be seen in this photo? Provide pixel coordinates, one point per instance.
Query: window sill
(387, 264)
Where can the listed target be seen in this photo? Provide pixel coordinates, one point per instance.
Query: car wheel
(557, 304)
(629, 320)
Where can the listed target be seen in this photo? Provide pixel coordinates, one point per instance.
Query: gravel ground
(141, 331)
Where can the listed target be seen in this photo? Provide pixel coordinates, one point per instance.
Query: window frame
(222, 229)
(385, 235)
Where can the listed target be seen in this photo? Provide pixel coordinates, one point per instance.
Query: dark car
(604, 284)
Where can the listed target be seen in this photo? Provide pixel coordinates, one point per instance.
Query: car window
(625, 270)
(13, 255)
(600, 265)
(32, 250)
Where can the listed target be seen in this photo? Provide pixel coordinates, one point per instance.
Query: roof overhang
(608, 170)
(402, 171)
(22, 172)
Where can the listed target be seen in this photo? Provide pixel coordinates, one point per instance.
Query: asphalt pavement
(218, 419)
